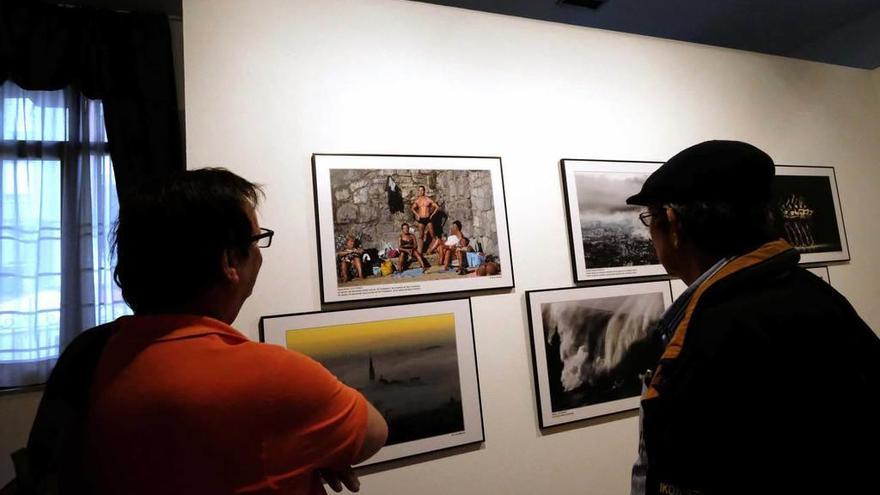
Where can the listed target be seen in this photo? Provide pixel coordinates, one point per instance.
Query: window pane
(30, 259)
(109, 304)
(33, 115)
(30, 223)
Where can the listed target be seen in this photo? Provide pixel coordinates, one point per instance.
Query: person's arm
(376, 436)
(315, 423)
(415, 208)
(434, 207)
(374, 440)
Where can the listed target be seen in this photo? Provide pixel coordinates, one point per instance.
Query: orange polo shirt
(187, 404)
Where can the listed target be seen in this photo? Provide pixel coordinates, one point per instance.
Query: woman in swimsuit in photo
(407, 246)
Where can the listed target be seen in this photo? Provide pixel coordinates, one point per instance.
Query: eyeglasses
(645, 217)
(264, 238)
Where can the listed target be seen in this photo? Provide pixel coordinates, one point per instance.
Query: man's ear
(675, 233)
(230, 266)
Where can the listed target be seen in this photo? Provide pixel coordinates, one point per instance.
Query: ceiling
(172, 8)
(842, 32)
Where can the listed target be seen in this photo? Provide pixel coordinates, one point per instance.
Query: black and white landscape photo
(608, 240)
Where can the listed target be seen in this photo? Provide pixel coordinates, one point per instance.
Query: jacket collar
(771, 257)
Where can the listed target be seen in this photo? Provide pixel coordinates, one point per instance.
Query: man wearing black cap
(768, 377)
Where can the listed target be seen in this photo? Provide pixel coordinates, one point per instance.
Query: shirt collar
(174, 326)
(708, 273)
(672, 316)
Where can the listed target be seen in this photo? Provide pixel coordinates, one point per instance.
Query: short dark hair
(172, 233)
(404, 224)
(423, 187)
(726, 229)
(457, 224)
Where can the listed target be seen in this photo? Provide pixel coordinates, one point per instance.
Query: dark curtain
(123, 59)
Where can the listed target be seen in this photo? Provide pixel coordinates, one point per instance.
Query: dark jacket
(768, 385)
(53, 463)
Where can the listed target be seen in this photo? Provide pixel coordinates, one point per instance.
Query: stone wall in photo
(365, 206)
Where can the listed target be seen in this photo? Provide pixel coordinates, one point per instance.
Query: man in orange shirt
(182, 402)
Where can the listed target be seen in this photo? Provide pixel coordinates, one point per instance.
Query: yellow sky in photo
(372, 336)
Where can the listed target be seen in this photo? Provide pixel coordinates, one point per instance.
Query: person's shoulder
(275, 356)
(281, 372)
(794, 305)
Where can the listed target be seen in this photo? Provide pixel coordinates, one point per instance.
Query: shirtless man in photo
(424, 209)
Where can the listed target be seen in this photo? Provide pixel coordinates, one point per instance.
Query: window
(109, 304)
(42, 133)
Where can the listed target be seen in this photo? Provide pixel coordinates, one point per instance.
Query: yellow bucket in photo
(387, 267)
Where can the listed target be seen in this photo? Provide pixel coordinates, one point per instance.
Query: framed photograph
(590, 346)
(415, 363)
(808, 214)
(608, 241)
(392, 225)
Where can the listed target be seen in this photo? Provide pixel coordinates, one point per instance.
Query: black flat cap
(712, 171)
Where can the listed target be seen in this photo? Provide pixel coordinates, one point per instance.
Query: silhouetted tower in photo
(372, 369)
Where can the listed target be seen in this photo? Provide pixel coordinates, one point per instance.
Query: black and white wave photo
(596, 348)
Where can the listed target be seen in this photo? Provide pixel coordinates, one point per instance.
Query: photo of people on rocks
(402, 226)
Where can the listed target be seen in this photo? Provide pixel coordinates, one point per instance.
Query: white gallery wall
(269, 83)
(876, 76)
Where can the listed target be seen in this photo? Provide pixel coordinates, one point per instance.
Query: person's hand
(337, 478)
